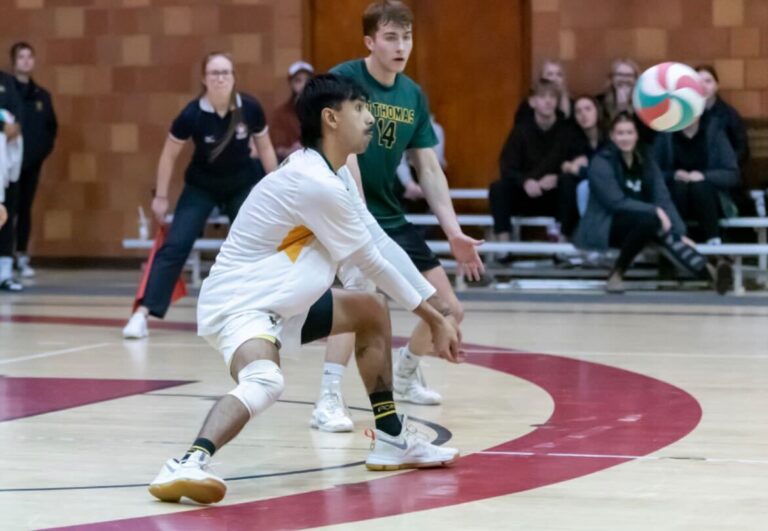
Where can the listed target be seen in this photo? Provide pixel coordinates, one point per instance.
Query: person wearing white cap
(284, 124)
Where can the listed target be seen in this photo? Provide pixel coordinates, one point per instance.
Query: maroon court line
(599, 410)
(22, 397)
(92, 321)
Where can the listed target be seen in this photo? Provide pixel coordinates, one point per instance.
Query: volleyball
(669, 97)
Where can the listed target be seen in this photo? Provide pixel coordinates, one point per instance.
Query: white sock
(6, 267)
(408, 360)
(332, 374)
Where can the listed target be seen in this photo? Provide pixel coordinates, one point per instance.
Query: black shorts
(414, 246)
(319, 319)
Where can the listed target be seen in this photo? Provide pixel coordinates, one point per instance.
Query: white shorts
(242, 327)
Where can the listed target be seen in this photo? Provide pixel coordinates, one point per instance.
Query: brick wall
(587, 34)
(119, 71)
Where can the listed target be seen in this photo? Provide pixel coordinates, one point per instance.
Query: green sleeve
(424, 136)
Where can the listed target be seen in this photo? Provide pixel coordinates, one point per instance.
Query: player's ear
(329, 118)
(368, 40)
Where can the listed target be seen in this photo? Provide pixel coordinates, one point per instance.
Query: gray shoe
(615, 284)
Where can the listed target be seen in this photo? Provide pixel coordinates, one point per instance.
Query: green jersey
(402, 122)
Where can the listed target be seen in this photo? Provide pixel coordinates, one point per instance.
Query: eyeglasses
(219, 73)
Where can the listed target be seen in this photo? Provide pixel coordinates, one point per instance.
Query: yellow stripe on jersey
(298, 238)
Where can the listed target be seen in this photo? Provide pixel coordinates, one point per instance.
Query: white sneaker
(410, 449)
(22, 263)
(411, 386)
(331, 413)
(136, 327)
(188, 479)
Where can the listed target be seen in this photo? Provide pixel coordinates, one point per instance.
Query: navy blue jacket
(722, 166)
(606, 197)
(38, 125)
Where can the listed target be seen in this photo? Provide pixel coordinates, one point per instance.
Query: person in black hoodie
(630, 207)
(40, 127)
(728, 117)
(701, 170)
(530, 166)
(10, 102)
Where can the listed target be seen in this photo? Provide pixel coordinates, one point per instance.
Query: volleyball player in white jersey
(269, 290)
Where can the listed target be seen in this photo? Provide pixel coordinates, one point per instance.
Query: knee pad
(260, 384)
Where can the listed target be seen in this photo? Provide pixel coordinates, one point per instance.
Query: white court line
(637, 457)
(53, 353)
(598, 354)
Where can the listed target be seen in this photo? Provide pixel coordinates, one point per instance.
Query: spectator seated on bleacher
(585, 140)
(700, 169)
(630, 207)
(554, 72)
(728, 117)
(530, 166)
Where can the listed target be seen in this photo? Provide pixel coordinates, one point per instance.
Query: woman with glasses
(221, 123)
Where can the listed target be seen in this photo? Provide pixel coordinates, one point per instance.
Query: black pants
(192, 210)
(699, 201)
(27, 189)
(7, 232)
(632, 231)
(507, 199)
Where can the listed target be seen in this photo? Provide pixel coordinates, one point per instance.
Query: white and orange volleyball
(668, 97)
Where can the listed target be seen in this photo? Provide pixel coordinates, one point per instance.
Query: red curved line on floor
(598, 410)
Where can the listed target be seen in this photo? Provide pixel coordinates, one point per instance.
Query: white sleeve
(400, 260)
(391, 251)
(327, 211)
(353, 279)
(354, 196)
(385, 276)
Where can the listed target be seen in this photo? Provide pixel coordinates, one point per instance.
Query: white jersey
(285, 245)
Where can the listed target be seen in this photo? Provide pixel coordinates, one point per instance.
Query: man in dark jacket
(10, 102)
(40, 127)
(701, 170)
(530, 162)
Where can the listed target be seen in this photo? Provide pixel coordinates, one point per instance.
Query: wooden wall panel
(473, 66)
(119, 71)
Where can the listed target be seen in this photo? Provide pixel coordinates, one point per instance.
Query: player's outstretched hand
(464, 249)
(3, 215)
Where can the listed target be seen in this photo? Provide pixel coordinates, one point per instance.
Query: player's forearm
(164, 172)
(437, 194)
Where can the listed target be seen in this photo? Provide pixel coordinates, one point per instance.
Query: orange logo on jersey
(295, 241)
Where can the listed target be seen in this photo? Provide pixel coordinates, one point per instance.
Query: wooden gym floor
(574, 412)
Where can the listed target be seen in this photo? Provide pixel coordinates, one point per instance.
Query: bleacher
(736, 251)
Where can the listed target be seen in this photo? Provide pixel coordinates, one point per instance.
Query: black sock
(384, 413)
(204, 445)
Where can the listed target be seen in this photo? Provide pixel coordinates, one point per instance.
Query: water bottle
(143, 225)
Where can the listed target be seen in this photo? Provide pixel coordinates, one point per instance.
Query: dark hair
(384, 11)
(623, 116)
(18, 47)
(322, 92)
(600, 119)
(237, 113)
(543, 86)
(710, 69)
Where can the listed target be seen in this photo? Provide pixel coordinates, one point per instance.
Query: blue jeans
(192, 210)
